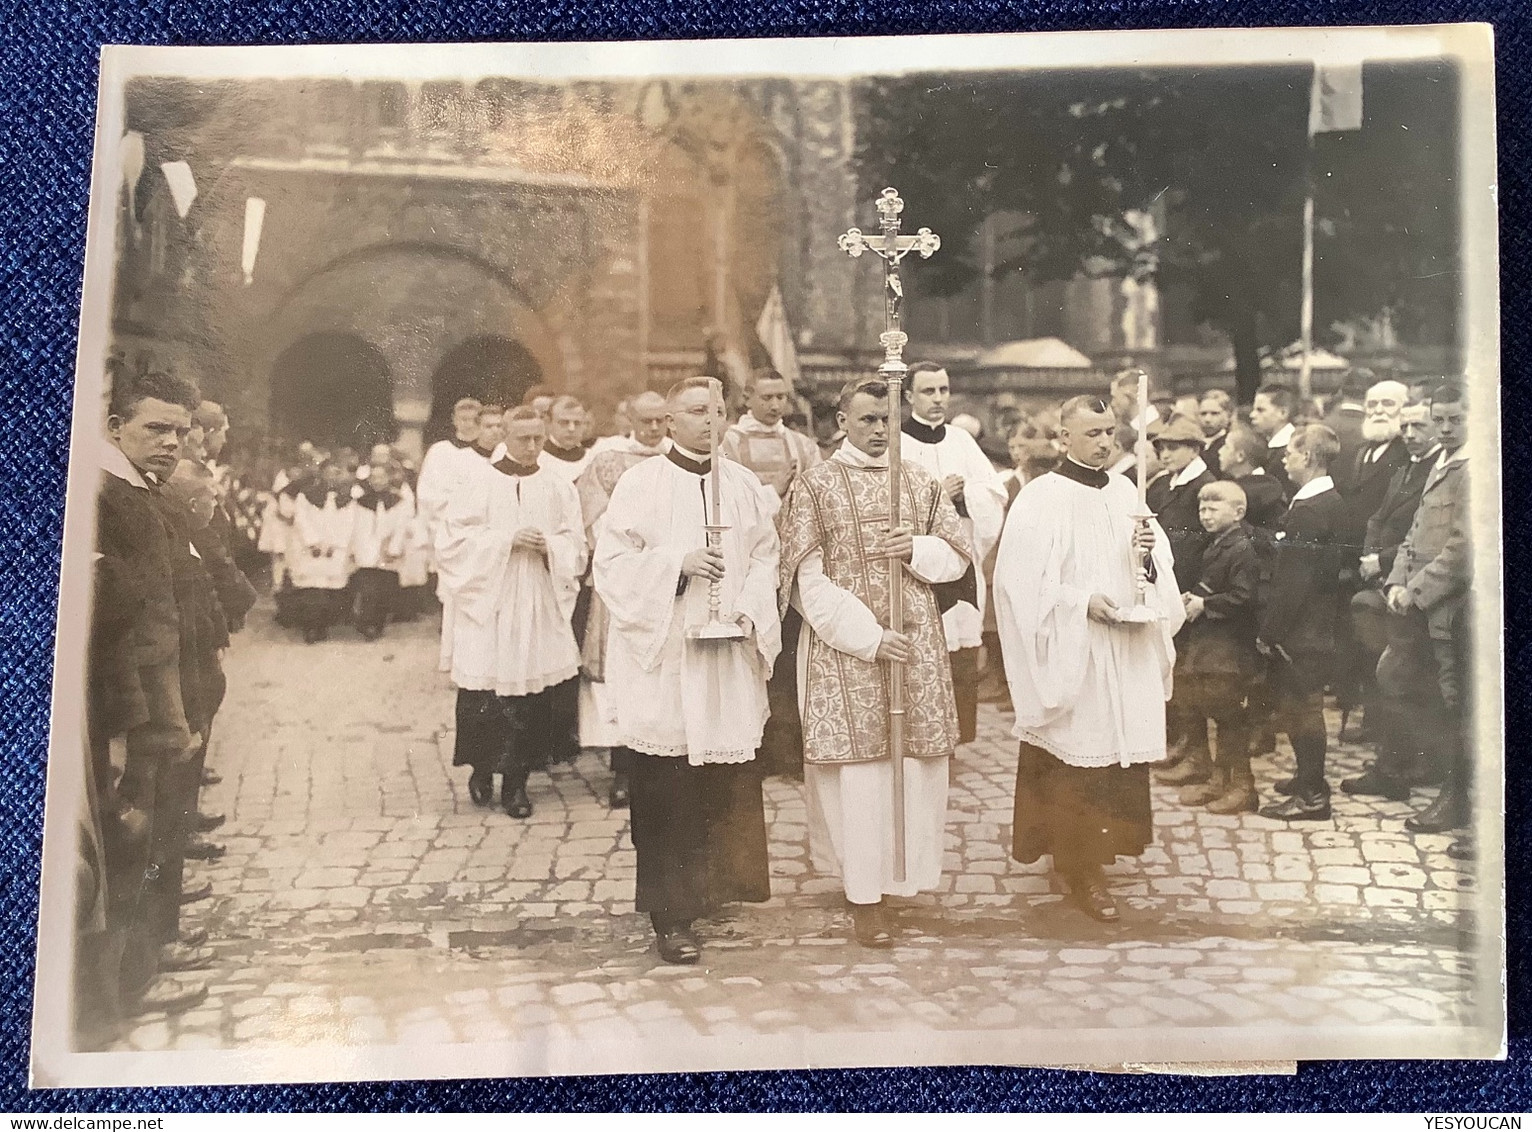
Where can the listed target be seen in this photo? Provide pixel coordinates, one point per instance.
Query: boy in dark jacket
(1302, 606)
(1215, 654)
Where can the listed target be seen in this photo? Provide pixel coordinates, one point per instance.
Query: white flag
(777, 336)
(1335, 98)
(255, 217)
(183, 186)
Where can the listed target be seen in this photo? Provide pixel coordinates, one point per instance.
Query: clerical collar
(511, 468)
(458, 442)
(487, 453)
(570, 455)
(923, 431)
(689, 461)
(1072, 469)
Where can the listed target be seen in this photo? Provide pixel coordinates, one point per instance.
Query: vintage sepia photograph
(774, 554)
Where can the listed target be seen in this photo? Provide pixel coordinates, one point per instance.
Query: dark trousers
(1220, 697)
(965, 690)
(149, 837)
(1422, 681)
(700, 836)
(1297, 696)
(782, 741)
(377, 593)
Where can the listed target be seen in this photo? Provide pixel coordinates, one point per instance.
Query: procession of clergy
(574, 580)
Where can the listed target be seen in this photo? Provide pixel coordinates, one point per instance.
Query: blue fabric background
(48, 52)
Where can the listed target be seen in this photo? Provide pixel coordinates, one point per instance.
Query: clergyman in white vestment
(970, 481)
(690, 710)
(1089, 687)
(511, 553)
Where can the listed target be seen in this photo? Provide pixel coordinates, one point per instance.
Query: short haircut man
(154, 385)
(1226, 490)
(1281, 397)
(1318, 442)
(864, 386)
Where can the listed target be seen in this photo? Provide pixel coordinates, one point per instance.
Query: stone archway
(332, 389)
(491, 368)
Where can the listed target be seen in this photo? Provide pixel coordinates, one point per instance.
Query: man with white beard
(971, 483)
(1362, 478)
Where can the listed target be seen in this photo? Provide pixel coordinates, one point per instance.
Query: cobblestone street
(365, 900)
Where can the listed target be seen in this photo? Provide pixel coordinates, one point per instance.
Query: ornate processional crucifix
(891, 247)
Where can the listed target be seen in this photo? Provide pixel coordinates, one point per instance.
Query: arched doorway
(333, 389)
(489, 367)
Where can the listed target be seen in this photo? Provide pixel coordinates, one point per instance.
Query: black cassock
(700, 832)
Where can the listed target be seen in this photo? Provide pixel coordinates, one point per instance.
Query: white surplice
(610, 458)
(1090, 694)
(704, 701)
(319, 544)
(511, 606)
(850, 805)
(447, 466)
(984, 498)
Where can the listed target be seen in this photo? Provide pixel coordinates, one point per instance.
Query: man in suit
(1390, 775)
(1272, 417)
(1362, 477)
(1346, 416)
(1240, 461)
(1297, 626)
(1215, 412)
(1424, 673)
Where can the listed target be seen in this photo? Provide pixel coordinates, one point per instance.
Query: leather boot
(1204, 792)
(1239, 795)
(1196, 767)
(1300, 807)
(1449, 811)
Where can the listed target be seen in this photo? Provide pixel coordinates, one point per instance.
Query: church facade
(339, 261)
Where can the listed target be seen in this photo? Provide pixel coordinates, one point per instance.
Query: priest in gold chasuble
(837, 551)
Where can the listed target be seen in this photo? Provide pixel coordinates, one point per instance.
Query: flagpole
(1306, 308)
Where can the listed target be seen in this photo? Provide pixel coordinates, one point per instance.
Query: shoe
(1300, 808)
(1092, 896)
(201, 849)
(1461, 849)
(211, 778)
(201, 892)
(617, 796)
(1371, 784)
(1284, 786)
(1356, 733)
(1192, 770)
(192, 937)
(1239, 797)
(171, 994)
(481, 788)
(869, 926)
(1446, 813)
(1203, 792)
(206, 823)
(179, 957)
(516, 802)
(678, 945)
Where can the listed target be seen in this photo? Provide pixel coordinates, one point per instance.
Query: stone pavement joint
(365, 900)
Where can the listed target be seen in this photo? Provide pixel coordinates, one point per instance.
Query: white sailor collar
(1280, 438)
(1317, 486)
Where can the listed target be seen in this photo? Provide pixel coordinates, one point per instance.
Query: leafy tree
(1218, 156)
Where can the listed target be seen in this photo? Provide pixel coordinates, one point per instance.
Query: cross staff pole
(891, 247)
